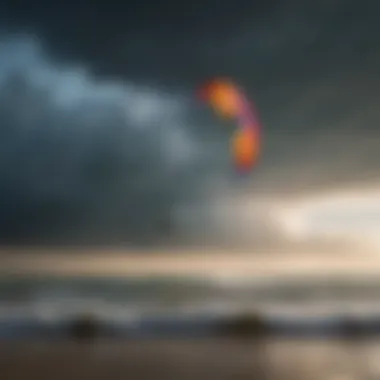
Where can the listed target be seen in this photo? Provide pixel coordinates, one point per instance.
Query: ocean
(33, 305)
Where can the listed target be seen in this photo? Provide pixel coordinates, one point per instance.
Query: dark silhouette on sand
(244, 326)
(85, 328)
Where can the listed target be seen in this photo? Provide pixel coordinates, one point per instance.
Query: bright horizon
(206, 263)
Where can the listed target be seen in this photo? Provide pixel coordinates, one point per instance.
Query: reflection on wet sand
(206, 359)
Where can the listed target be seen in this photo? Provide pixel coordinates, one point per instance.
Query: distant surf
(33, 305)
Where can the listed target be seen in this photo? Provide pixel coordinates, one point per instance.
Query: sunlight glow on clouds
(348, 216)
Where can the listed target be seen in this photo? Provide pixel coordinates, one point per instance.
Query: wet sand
(198, 359)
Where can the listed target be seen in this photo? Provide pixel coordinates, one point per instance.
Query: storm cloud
(87, 159)
(102, 141)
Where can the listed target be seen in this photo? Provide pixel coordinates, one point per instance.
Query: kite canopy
(229, 101)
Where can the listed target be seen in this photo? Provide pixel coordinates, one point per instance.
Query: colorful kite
(229, 102)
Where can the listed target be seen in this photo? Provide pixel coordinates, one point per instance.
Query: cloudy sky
(103, 141)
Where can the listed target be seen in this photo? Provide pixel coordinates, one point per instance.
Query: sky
(103, 141)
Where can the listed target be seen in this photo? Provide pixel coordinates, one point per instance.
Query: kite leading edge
(229, 101)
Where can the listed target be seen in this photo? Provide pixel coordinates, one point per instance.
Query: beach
(203, 359)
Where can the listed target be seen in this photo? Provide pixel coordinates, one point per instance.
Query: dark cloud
(90, 160)
(113, 149)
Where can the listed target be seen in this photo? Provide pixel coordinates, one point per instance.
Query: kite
(229, 102)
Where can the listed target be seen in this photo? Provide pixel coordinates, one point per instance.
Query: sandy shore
(198, 360)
